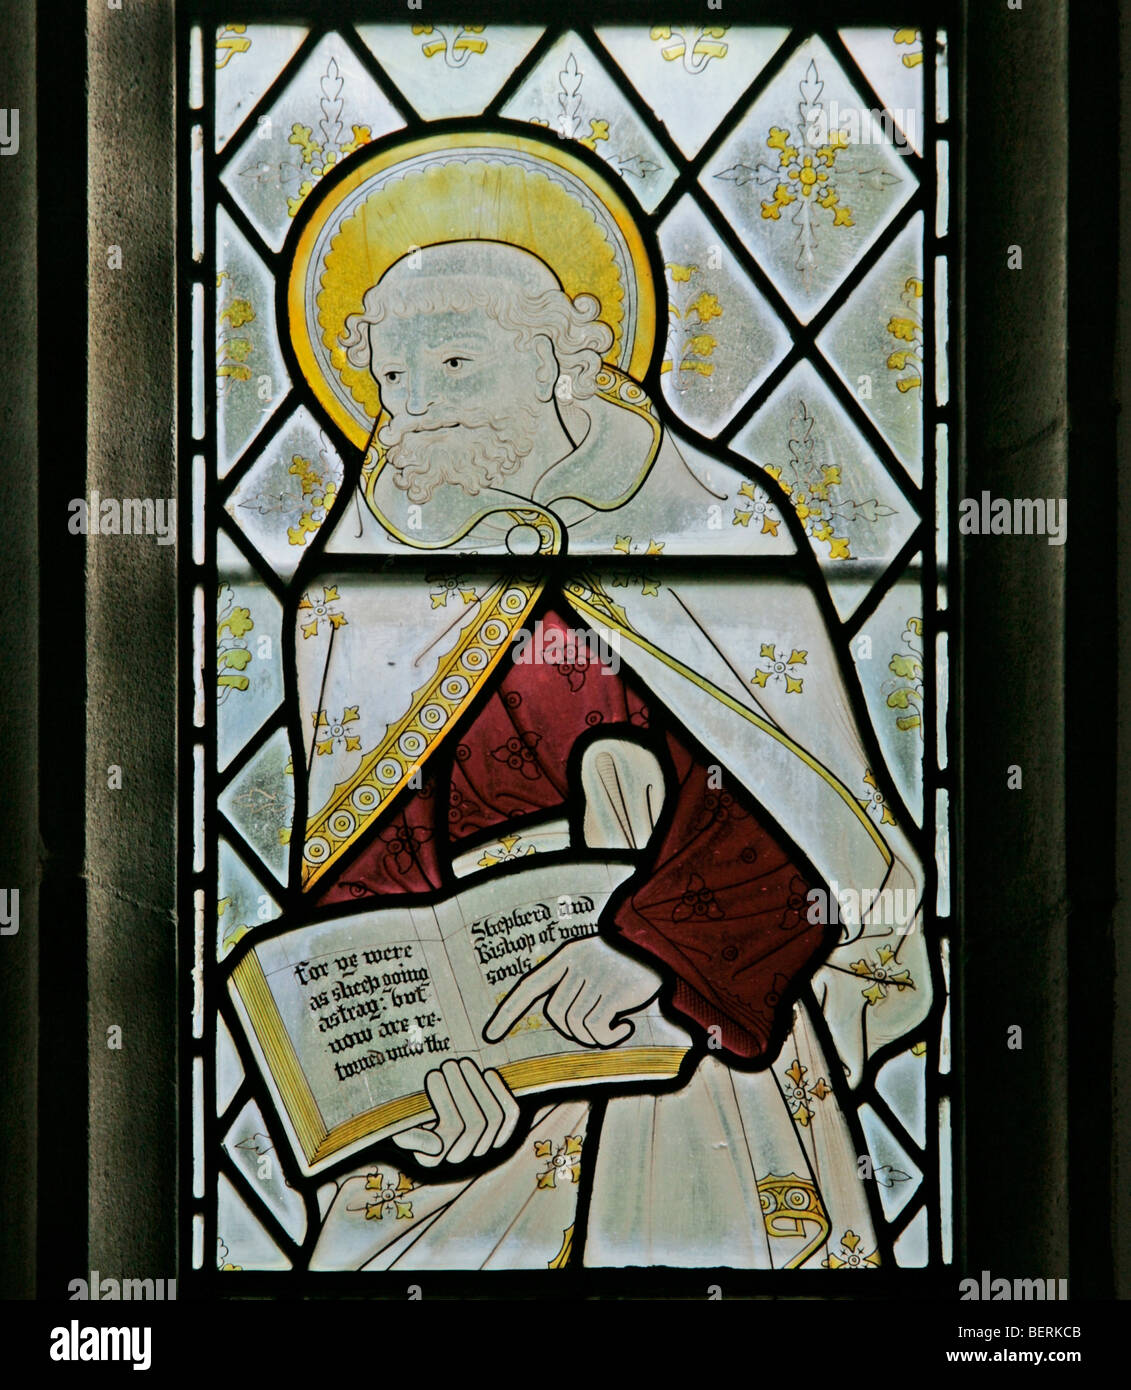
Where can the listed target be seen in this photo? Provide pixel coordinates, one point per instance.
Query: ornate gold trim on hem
(789, 1204)
(561, 1259)
(386, 770)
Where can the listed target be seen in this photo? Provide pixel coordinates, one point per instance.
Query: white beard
(476, 452)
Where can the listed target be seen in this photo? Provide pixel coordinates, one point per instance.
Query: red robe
(723, 906)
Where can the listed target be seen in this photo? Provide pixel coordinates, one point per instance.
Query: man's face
(434, 368)
(463, 401)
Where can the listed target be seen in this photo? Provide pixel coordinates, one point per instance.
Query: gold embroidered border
(790, 1204)
(387, 769)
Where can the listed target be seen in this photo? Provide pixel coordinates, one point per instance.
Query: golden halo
(470, 185)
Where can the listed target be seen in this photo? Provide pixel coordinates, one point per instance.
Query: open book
(347, 1016)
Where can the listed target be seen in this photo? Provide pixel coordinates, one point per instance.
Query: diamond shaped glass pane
(243, 902)
(329, 109)
(723, 337)
(892, 61)
(911, 1249)
(808, 198)
(691, 75)
(250, 376)
(241, 1241)
(248, 59)
(283, 499)
(252, 1150)
(891, 670)
(877, 344)
(902, 1084)
(449, 69)
(571, 92)
(260, 803)
(853, 513)
(249, 675)
(229, 1069)
(897, 1177)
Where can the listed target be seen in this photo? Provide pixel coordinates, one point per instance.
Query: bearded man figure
(500, 330)
(517, 481)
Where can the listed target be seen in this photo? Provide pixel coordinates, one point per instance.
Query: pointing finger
(577, 1015)
(525, 994)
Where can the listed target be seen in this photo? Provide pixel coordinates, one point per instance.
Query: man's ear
(547, 372)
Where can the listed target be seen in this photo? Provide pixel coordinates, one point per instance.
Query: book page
(351, 1014)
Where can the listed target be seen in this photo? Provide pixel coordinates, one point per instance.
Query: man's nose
(419, 397)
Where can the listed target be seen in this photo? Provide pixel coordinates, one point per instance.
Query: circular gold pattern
(389, 772)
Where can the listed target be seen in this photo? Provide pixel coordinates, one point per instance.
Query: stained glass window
(567, 444)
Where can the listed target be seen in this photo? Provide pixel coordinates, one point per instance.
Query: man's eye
(392, 377)
(454, 362)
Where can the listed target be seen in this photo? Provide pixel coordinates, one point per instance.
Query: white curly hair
(511, 285)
